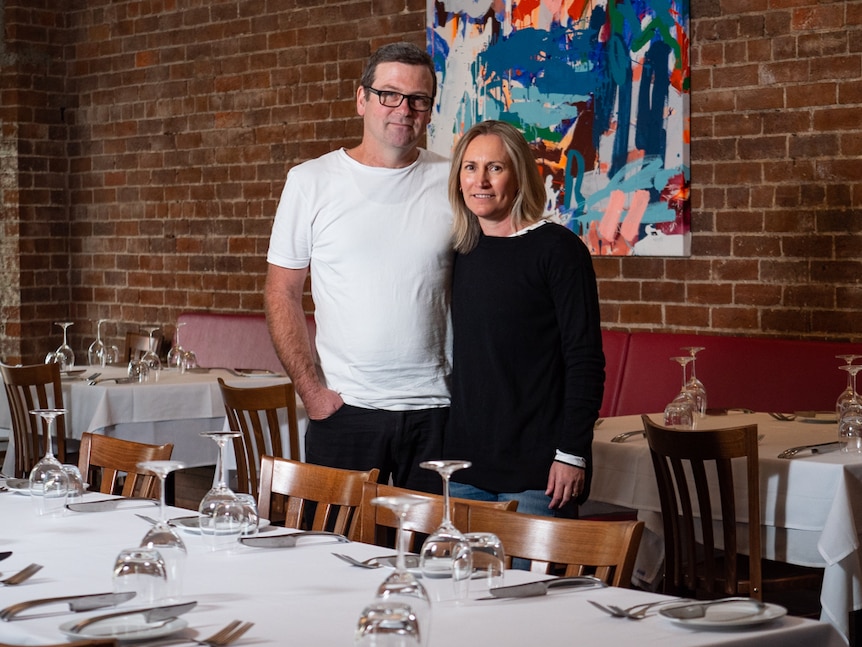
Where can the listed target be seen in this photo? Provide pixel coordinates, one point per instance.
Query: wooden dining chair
(108, 461)
(604, 549)
(314, 497)
(694, 471)
(35, 387)
(376, 523)
(254, 411)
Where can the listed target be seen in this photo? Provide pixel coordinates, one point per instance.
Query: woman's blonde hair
(529, 204)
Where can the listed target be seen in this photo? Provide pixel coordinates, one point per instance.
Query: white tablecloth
(811, 506)
(305, 596)
(174, 409)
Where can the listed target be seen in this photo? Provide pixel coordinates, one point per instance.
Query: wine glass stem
(220, 476)
(162, 497)
(446, 516)
(400, 545)
(49, 440)
(682, 365)
(853, 381)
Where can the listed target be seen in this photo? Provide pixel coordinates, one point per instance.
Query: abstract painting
(600, 89)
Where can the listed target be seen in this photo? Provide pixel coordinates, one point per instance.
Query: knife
(621, 438)
(103, 505)
(533, 589)
(76, 603)
(289, 541)
(152, 614)
(820, 448)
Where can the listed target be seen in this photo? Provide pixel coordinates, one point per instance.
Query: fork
(24, 574)
(368, 563)
(229, 634)
(784, 417)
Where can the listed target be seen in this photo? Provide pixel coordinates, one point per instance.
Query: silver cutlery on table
(637, 611)
(533, 589)
(118, 380)
(623, 437)
(104, 505)
(783, 417)
(691, 610)
(820, 448)
(368, 563)
(76, 603)
(151, 614)
(225, 636)
(24, 574)
(291, 540)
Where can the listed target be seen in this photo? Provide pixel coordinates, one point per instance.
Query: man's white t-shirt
(379, 243)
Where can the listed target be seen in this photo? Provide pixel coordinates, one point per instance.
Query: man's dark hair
(406, 53)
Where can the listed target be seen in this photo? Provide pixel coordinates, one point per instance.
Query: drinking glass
(251, 513)
(175, 354)
(75, 484)
(680, 411)
(96, 352)
(220, 492)
(162, 537)
(849, 393)
(151, 357)
(401, 586)
(143, 572)
(388, 624)
(227, 523)
(64, 348)
(489, 558)
(138, 370)
(446, 552)
(694, 385)
(850, 428)
(48, 482)
(56, 358)
(189, 361)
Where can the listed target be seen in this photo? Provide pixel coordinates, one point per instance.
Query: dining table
(811, 503)
(304, 595)
(171, 407)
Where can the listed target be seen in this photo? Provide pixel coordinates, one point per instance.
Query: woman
(528, 363)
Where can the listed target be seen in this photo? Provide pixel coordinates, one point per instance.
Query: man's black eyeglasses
(390, 99)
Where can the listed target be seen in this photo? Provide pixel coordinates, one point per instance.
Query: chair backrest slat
(301, 484)
(377, 522)
(31, 387)
(108, 458)
(694, 459)
(254, 412)
(605, 549)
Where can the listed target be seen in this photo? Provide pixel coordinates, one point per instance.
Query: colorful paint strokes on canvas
(600, 89)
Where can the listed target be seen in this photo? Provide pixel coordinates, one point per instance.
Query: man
(374, 225)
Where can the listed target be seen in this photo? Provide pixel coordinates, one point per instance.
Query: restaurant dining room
(596, 384)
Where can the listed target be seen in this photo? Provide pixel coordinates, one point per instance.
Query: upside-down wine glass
(64, 348)
(695, 386)
(151, 357)
(850, 420)
(96, 354)
(401, 585)
(446, 551)
(680, 411)
(162, 537)
(176, 353)
(48, 481)
(849, 393)
(220, 492)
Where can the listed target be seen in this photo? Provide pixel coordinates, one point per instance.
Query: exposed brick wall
(144, 146)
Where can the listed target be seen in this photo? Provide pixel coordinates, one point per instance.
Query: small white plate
(729, 614)
(21, 486)
(130, 627)
(817, 417)
(192, 525)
